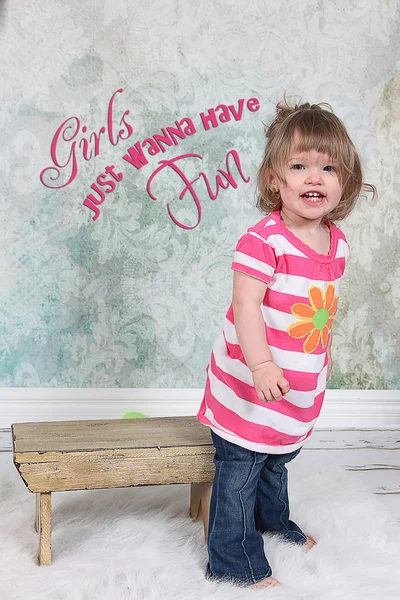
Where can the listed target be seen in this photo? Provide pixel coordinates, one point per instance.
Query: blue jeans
(249, 498)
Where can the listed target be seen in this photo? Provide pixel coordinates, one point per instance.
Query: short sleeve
(343, 246)
(254, 256)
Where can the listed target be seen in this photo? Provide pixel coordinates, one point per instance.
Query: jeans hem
(302, 539)
(234, 579)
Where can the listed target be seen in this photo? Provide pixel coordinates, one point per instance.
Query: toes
(310, 542)
(268, 582)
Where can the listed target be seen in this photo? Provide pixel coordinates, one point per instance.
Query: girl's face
(312, 188)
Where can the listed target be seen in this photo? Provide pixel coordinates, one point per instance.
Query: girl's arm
(247, 297)
(248, 294)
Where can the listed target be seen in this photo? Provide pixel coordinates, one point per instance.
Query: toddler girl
(269, 366)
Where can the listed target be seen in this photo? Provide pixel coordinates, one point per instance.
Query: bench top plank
(75, 436)
(72, 455)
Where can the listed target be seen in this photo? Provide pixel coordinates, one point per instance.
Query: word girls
(68, 140)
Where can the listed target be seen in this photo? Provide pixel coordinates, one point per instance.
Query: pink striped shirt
(298, 309)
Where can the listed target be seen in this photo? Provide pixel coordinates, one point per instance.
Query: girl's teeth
(313, 196)
(313, 199)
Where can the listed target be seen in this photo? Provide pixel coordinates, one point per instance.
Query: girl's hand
(269, 382)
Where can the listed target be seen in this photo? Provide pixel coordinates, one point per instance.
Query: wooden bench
(83, 455)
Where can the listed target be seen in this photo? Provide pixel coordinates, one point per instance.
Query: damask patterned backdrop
(133, 291)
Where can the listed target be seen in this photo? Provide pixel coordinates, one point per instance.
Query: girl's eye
(298, 167)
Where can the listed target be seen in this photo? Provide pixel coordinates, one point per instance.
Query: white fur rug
(140, 544)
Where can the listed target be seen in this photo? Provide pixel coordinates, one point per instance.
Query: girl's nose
(314, 176)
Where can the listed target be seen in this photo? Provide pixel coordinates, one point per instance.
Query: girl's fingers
(276, 393)
(270, 395)
(284, 385)
(264, 396)
(261, 396)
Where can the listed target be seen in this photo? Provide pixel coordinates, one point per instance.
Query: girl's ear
(272, 181)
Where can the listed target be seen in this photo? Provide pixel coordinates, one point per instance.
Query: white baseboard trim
(342, 409)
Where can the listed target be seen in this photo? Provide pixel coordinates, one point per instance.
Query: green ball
(134, 415)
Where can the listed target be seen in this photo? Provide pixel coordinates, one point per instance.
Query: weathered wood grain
(374, 467)
(384, 490)
(118, 454)
(343, 439)
(69, 436)
(116, 473)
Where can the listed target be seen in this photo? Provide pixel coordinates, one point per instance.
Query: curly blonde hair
(317, 129)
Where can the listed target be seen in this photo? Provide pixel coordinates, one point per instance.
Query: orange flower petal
(302, 311)
(311, 343)
(329, 324)
(324, 336)
(329, 295)
(316, 296)
(333, 308)
(299, 330)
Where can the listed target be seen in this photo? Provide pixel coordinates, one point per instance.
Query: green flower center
(321, 318)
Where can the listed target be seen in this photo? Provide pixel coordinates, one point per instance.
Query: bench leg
(37, 521)
(200, 497)
(44, 510)
(195, 503)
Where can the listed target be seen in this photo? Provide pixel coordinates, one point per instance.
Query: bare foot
(269, 581)
(310, 543)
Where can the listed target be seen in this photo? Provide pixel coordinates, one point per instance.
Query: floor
(373, 455)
